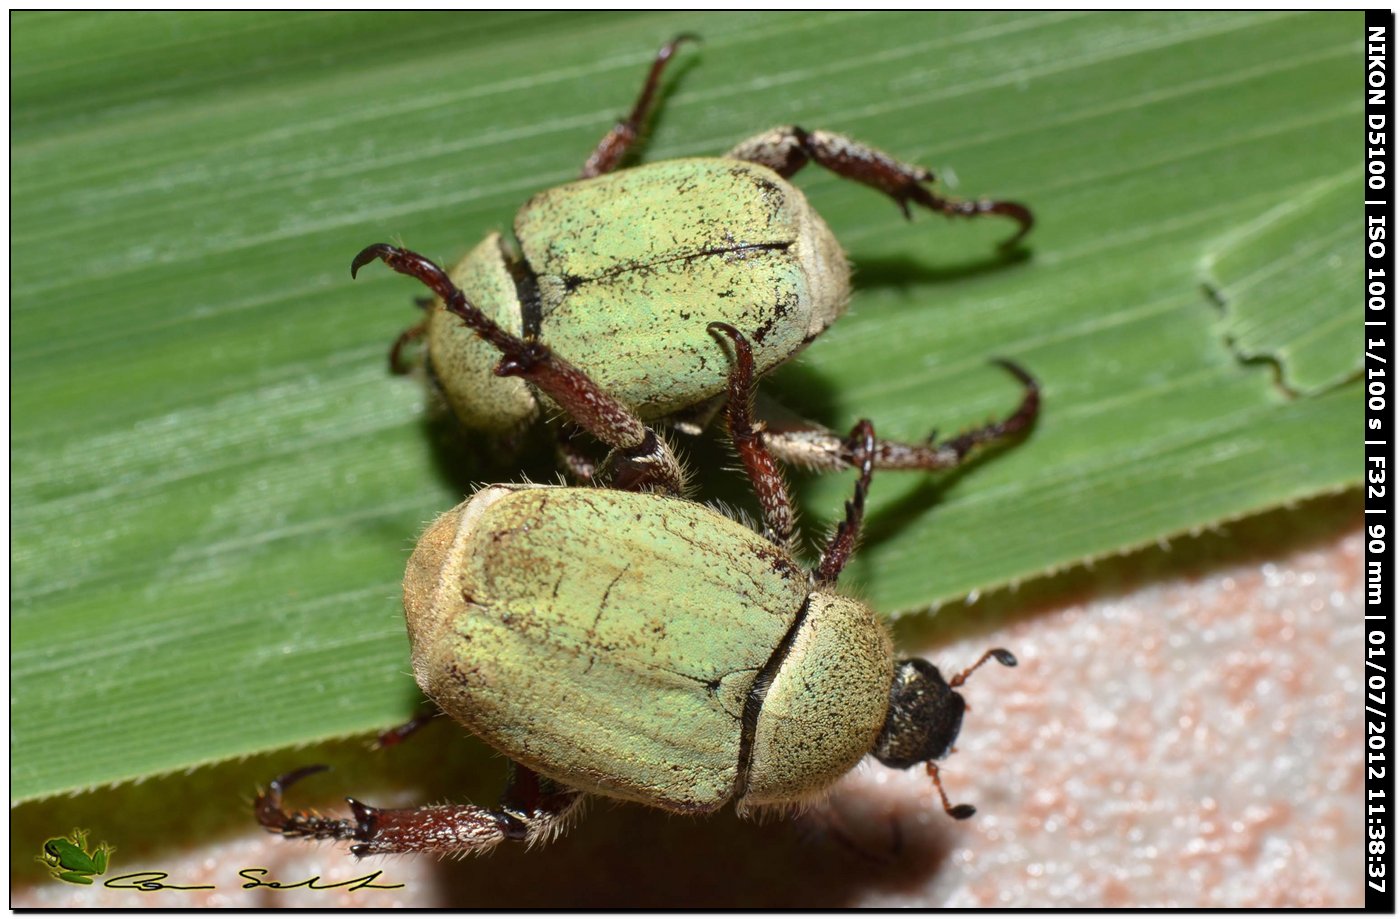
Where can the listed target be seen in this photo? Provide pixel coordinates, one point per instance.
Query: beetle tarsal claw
(371, 253)
(268, 804)
(269, 810)
(1022, 375)
(288, 779)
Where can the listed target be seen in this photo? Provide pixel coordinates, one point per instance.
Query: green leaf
(216, 482)
(1288, 282)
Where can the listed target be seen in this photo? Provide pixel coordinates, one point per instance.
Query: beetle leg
(533, 810)
(267, 807)
(811, 446)
(640, 460)
(786, 150)
(861, 447)
(397, 365)
(572, 457)
(399, 733)
(749, 440)
(618, 142)
(539, 807)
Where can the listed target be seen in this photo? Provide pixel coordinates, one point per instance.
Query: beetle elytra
(620, 271)
(648, 648)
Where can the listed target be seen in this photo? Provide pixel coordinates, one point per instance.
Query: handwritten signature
(255, 877)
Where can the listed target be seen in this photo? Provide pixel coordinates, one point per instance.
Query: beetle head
(924, 719)
(925, 716)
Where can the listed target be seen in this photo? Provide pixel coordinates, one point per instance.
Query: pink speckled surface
(1197, 742)
(1184, 730)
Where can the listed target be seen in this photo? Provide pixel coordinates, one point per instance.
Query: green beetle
(620, 268)
(648, 648)
(68, 859)
(620, 271)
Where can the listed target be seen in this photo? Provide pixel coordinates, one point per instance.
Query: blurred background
(215, 481)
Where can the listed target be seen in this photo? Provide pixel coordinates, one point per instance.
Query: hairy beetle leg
(397, 365)
(767, 478)
(749, 440)
(533, 810)
(640, 461)
(785, 150)
(1018, 421)
(618, 142)
(808, 445)
(861, 447)
(267, 807)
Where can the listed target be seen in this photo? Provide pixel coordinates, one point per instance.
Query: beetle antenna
(956, 811)
(1003, 657)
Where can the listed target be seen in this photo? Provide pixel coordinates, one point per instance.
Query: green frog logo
(68, 858)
